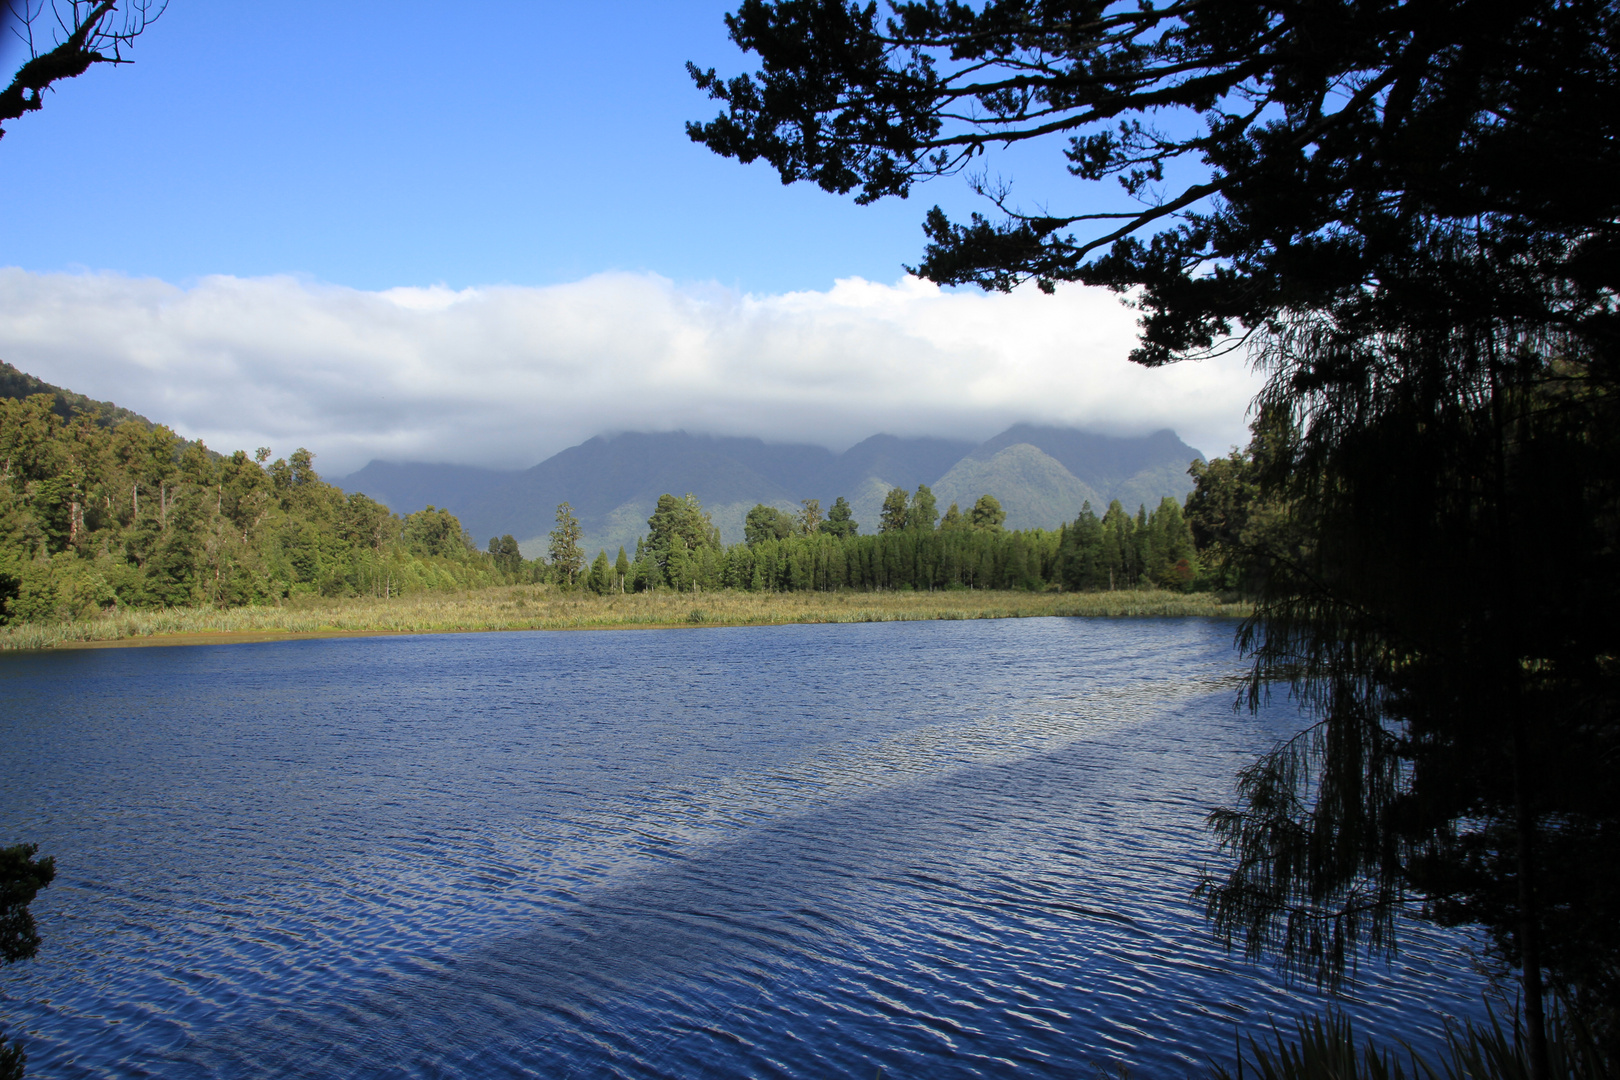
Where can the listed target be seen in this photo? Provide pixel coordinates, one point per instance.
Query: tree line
(914, 548)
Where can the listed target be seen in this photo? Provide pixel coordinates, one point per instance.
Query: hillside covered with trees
(95, 515)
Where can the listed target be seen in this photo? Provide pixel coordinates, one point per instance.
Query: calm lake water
(944, 848)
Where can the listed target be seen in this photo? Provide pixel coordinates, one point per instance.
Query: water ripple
(946, 849)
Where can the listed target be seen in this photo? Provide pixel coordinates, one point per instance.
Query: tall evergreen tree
(1081, 552)
(566, 556)
(810, 518)
(840, 519)
(894, 513)
(621, 570)
(679, 533)
(505, 554)
(924, 511)
(600, 580)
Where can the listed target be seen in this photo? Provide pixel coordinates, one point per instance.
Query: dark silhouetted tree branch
(63, 38)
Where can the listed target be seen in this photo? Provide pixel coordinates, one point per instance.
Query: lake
(948, 849)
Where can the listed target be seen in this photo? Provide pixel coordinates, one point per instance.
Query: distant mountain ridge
(1041, 475)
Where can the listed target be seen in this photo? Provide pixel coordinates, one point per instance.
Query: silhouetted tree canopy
(1273, 154)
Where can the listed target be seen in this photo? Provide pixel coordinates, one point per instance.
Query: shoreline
(543, 607)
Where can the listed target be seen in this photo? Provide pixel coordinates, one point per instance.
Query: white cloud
(509, 375)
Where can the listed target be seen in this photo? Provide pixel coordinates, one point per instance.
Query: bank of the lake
(545, 607)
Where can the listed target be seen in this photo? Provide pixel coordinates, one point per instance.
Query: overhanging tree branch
(89, 35)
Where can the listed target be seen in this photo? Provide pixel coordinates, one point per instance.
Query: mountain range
(1041, 475)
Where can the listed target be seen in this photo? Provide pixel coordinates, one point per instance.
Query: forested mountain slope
(105, 509)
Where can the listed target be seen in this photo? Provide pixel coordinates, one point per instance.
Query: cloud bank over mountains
(505, 376)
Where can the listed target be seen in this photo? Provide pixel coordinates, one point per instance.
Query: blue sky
(240, 216)
(376, 145)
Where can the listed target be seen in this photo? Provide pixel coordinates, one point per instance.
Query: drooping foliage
(1436, 530)
(1410, 211)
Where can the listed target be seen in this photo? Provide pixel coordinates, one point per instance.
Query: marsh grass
(1325, 1048)
(544, 607)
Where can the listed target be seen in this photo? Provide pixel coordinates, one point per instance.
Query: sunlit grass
(544, 607)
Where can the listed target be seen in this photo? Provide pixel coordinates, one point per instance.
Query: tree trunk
(1535, 1019)
(1523, 775)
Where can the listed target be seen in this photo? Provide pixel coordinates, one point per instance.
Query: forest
(96, 516)
(101, 510)
(915, 549)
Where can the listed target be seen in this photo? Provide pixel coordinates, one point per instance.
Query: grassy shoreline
(543, 607)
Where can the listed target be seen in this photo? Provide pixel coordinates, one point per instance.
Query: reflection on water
(949, 849)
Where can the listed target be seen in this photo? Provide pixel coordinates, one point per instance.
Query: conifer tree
(566, 556)
(601, 578)
(840, 519)
(505, 555)
(894, 512)
(810, 518)
(924, 511)
(679, 532)
(1081, 554)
